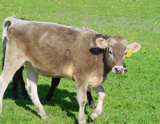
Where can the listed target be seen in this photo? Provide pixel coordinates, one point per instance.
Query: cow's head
(115, 51)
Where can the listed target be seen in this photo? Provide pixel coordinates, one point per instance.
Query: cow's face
(115, 51)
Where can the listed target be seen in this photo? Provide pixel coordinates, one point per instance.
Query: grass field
(131, 98)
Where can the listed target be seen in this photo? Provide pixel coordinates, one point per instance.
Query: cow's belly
(48, 71)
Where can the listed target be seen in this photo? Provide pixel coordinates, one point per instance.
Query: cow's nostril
(125, 70)
(116, 69)
(119, 70)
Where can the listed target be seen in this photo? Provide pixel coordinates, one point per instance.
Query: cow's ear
(134, 47)
(101, 43)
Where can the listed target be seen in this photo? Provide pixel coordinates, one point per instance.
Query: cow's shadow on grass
(66, 100)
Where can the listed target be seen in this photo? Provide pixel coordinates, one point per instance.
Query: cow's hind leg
(15, 86)
(90, 99)
(54, 84)
(6, 76)
(18, 77)
(31, 86)
(4, 81)
(99, 108)
(21, 81)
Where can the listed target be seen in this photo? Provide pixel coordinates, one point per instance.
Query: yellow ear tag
(129, 53)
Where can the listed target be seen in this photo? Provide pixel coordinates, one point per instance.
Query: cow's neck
(107, 69)
(100, 75)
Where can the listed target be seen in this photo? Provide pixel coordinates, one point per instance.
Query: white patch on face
(118, 69)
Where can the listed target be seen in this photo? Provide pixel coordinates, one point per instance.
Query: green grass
(130, 98)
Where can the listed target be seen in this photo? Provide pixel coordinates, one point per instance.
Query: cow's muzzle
(119, 69)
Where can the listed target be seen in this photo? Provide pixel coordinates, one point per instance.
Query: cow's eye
(110, 52)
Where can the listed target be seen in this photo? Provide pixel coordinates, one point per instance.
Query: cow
(18, 76)
(55, 50)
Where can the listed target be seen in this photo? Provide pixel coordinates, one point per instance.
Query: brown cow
(55, 50)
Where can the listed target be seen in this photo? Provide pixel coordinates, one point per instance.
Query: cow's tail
(6, 24)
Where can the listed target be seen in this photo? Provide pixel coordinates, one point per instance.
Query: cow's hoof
(82, 122)
(43, 115)
(95, 107)
(90, 120)
(91, 105)
(45, 118)
(48, 98)
(15, 96)
(26, 97)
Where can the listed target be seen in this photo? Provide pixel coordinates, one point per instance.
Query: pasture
(130, 98)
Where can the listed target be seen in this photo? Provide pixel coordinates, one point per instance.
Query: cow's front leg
(99, 108)
(31, 86)
(82, 99)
